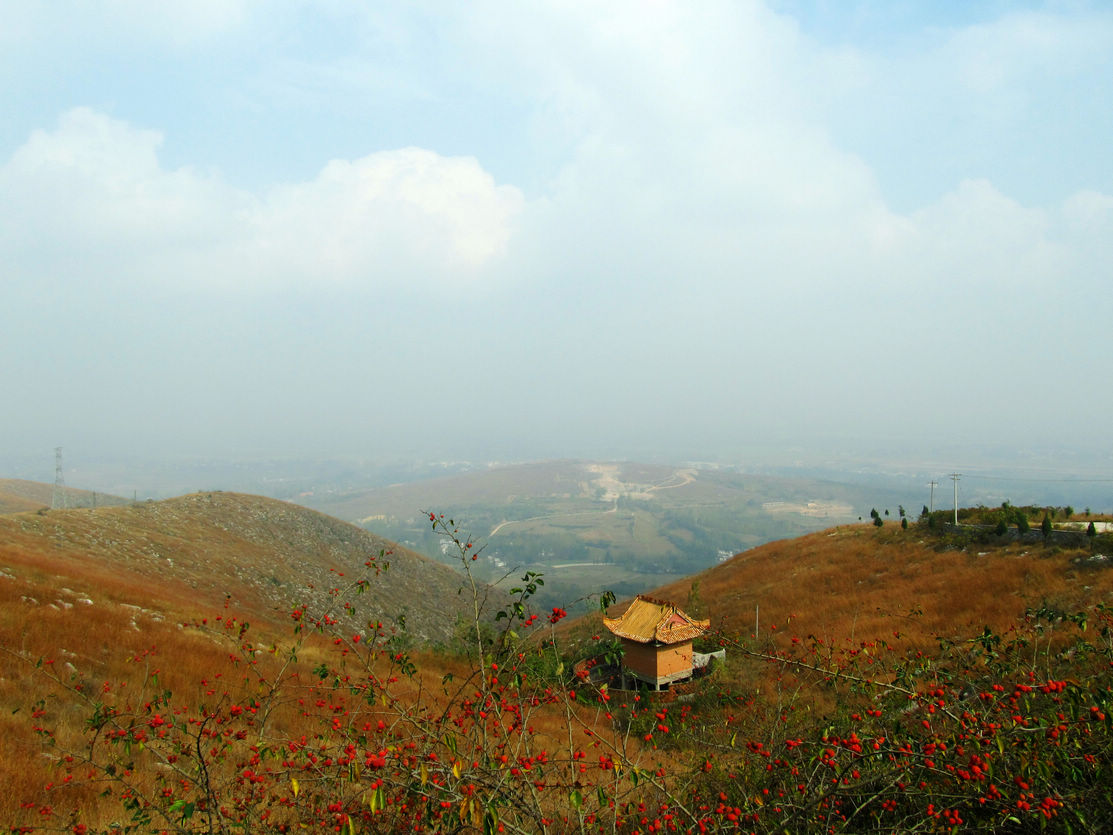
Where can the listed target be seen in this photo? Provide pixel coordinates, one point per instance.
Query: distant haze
(483, 230)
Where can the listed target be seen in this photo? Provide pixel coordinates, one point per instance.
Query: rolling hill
(859, 582)
(107, 607)
(192, 554)
(174, 595)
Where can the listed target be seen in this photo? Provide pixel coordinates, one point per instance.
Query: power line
(1042, 480)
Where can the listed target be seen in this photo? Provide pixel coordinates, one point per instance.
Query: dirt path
(684, 474)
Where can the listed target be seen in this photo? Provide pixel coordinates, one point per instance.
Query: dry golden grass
(89, 626)
(101, 609)
(99, 597)
(859, 582)
(268, 555)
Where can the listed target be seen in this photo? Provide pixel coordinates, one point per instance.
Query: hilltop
(859, 582)
(204, 550)
(18, 495)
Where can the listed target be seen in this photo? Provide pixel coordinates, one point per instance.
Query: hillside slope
(859, 582)
(18, 496)
(193, 553)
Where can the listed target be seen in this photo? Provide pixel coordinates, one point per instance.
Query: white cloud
(975, 236)
(721, 214)
(390, 213)
(1026, 46)
(93, 191)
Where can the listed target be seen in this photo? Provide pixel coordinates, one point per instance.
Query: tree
(1001, 528)
(904, 523)
(900, 510)
(1091, 531)
(1045, 526)
(877, 523)
(1022, 522)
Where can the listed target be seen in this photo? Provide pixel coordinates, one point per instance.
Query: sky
(668, 230)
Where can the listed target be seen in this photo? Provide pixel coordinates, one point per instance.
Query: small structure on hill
(656, 641)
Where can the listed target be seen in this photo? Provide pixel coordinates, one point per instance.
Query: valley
(594, 525)
(220, 661)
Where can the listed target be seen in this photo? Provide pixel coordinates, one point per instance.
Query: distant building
(656, 641)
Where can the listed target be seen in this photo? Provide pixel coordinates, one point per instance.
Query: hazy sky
(247, 228)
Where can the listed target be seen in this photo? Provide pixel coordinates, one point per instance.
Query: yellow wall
(658, 662)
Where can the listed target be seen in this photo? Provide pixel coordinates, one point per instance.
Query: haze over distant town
(767, 232)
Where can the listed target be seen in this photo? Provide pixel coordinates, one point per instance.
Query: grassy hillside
(18, 496)
(894, 684)
(267, 556)
(862, 582)
(118, 623)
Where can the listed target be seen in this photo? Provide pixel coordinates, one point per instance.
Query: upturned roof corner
(648, 620)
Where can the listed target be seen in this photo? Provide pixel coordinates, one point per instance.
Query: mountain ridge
(270, 556)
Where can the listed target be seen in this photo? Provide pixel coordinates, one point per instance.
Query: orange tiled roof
(648, 620)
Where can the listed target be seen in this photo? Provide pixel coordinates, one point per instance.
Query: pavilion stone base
(653, 681)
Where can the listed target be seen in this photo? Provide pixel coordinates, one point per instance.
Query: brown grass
(844, 585)
(860, 582)
(100, 597)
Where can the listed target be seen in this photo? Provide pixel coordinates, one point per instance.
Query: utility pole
(931, 501)
(955, 477)
(58, 498)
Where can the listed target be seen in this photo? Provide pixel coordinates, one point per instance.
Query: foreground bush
(347, 731)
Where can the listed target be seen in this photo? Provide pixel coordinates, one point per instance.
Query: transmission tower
(955, 477)
(58, 499)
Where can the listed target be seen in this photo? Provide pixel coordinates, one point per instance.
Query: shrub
(347, 732)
